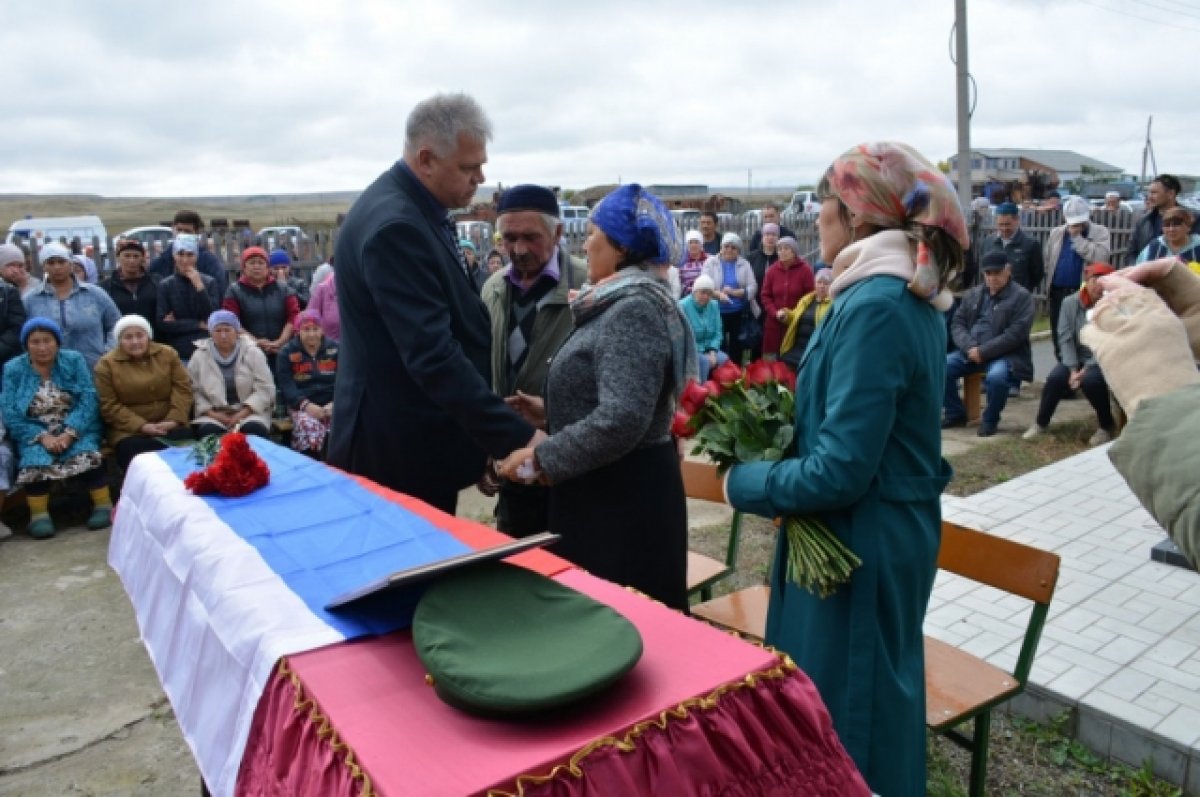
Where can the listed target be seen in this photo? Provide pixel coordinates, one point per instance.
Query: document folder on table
(413, 575)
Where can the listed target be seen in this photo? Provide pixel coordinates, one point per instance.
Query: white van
(59, 228)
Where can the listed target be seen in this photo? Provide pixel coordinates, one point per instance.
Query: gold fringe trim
(302, 704)
(628, 742)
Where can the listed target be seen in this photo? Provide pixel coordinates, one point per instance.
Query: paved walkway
(1121, 647)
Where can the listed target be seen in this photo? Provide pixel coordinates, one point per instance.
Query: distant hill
(121, 213)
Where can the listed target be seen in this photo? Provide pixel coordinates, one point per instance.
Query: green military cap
(500, 639)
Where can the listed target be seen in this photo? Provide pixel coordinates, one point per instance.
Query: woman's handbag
(750, 334)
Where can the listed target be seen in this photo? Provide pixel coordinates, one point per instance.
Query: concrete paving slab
(1121, 648)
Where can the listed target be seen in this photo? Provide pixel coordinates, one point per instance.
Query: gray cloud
(135, 98)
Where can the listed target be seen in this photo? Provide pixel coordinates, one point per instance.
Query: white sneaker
(1033, 431)
(1099, 438)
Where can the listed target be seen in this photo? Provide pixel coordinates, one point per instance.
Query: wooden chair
(701, 481)
(744, 611)
(960, 686)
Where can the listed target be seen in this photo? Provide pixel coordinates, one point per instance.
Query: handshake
(521, 465)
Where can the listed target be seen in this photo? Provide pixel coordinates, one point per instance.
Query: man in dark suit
(413, 406)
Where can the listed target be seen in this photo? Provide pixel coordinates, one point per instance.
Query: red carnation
(236, 470)
(714, 390)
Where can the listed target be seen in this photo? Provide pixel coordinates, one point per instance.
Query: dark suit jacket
(413, 405)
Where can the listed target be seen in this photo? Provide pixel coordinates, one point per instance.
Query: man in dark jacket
(12, 309)
(770, 215)
(1023, 253)
(1160, 197)
(413, 407)
(991, 332)
(188, 222)
(185, 300)
(531, 317)
(133, 289)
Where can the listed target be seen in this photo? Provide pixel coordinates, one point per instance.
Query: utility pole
(963, 77)
(1148, 152)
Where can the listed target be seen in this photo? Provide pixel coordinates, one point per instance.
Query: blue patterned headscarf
(639, 223)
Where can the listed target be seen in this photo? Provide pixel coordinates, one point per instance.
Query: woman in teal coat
(868, 455)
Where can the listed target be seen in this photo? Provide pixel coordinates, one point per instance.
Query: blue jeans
(705, 366)
(995, 386)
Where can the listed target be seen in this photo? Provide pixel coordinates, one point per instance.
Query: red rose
(714, 390)
(681, 425)
(784, 374)
(726, 373)
(693, 398)
(759, 372)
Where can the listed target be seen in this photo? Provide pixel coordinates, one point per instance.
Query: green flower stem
(817, 560)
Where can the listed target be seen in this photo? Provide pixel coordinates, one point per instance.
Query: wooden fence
(317, 245)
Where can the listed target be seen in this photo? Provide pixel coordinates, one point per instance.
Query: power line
(1190, 13)
(1173, 25)
(1180, 4)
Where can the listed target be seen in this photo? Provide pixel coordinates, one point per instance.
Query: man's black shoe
(986, 430)
(953, 423)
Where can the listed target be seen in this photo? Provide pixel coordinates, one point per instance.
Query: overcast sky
(255, 97)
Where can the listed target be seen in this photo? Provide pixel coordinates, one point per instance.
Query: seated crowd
(141, 361)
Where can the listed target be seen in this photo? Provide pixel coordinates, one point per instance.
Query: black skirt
(627, 522)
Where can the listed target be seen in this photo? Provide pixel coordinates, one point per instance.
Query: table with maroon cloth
(702, 712)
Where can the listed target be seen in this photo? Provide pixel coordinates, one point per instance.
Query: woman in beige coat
(144, 391)
(232, 384)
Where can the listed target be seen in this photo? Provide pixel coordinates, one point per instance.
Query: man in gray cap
(531, 317)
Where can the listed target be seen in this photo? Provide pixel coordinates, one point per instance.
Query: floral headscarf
(889, 185)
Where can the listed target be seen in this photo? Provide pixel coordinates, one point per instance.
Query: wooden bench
(972, 387)
(702, 482)
(958, 685)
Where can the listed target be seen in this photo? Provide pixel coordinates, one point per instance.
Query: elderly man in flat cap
(531, 318)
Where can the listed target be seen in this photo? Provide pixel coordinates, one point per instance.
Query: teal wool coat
(868, 462)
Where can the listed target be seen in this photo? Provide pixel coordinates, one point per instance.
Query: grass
(1007, 457)
(1028, 759)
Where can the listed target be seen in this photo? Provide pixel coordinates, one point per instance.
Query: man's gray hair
(438, 121)
(551, 223)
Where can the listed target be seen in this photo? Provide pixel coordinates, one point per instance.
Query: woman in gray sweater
(616, 492)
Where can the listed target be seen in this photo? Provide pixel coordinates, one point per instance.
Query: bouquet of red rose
(234, 471)
(746, 416)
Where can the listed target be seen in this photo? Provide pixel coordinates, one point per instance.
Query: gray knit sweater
(607, 392)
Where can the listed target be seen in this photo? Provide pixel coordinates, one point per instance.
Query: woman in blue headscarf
(50, 408)
(616, 494)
